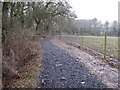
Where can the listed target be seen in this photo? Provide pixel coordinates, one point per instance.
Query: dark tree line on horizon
(96, 28)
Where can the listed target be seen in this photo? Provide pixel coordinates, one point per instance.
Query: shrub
(17, 50)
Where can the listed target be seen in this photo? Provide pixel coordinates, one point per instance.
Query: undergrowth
(20, 58)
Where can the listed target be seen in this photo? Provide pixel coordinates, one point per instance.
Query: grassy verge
(96, 43)
(94, 46)
(29, 69)
(28, 74)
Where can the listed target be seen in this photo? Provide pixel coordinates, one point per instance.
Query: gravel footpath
(59, 70)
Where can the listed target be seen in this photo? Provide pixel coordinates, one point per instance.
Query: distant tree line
(96, 28)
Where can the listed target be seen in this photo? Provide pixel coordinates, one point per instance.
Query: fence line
(106, 45)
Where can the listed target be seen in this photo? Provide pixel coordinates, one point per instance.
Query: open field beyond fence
(96, 43)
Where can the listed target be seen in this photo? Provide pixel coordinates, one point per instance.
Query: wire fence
(105, 45)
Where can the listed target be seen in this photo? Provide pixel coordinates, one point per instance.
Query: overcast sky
(101, 9)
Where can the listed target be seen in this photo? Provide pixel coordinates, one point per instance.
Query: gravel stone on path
(60, 70)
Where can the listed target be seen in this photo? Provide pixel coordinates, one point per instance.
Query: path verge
(97, 67)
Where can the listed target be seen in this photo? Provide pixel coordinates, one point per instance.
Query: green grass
(28, 75)
(96, 43)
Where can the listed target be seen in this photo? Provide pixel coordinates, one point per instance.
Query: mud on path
(60, 70)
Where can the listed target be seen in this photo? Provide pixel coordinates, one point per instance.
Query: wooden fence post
(105, 46)
(82, 37)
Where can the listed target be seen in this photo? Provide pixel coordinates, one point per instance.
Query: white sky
(101, 9)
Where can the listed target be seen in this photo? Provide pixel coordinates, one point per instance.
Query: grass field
(96, 43)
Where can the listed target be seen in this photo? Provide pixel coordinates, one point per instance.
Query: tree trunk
(37, 27)
(22, 15)
(4, 20)
(11, 14)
